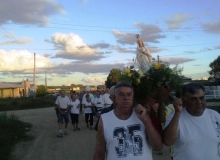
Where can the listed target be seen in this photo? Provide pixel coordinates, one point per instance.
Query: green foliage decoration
(153, 82)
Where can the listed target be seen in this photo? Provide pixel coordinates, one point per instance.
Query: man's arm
(68, 104)
(58, 106)
(170, 133)
(152, 134)
(99, 153)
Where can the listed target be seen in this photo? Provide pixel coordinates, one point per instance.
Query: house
(14, 89)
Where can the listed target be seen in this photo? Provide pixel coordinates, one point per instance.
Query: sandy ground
(78, 145)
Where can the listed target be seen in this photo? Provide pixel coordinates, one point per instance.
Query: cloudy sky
(80, 41)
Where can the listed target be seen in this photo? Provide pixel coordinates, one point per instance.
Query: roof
(186, 78)
(4, 85)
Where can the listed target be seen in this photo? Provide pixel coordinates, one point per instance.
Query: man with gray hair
(108, 109)
(62, 104)
(126, 132)
(194, 130)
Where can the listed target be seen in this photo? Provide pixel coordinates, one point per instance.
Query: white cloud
(177, 60)
(23, 40)
(71, 46)
(34, 12)
(148, 33)
(21, 60)
(212, 27)
(176, 20)
(92, 80)
(122, 50)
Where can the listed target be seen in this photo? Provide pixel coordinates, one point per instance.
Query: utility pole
(34, 74)
(158, 59)
(45, 80)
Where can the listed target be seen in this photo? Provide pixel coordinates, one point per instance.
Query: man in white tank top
(126, 133)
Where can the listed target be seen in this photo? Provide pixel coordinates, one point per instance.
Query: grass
(8, 104)
(12, 130)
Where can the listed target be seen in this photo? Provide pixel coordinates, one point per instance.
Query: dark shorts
(74, 118)
(61, 117)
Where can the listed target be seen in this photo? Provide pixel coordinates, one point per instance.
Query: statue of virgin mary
(143, 56)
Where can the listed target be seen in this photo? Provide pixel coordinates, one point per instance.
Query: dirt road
(78, 145)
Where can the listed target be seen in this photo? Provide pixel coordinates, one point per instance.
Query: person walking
(107, 101)
(106, 110)
(126, 132)
(88, 92)
(74, 111)
(98, 102)
(62, 104)
(88, 112)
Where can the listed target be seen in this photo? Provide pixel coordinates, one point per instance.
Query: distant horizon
(201, 78)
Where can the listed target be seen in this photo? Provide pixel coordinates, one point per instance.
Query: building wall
(8, 92)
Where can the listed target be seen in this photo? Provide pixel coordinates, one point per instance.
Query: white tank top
(125, 139)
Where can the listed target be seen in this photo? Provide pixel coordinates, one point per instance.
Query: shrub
(7, 104)
(41, 91)
(12, 131)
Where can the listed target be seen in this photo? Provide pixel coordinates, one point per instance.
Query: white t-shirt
(97, 100)
(169, 109)
(125, 139)
(84, 98)
(87, 110)
(74, 105)
(198, 136)
(107, 100)
(63, 102)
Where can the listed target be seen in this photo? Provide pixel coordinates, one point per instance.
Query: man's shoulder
(66, 97)
(106, 110)
(211, 112)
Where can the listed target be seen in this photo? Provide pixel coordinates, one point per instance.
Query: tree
(215, 68)
(113, 77)
(41, 91)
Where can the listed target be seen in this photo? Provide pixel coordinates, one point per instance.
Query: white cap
(87, 88)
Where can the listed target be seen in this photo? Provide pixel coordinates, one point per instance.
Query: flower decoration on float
(153, 82)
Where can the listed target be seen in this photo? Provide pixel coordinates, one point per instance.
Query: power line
(183, 45)
(104, 27)
(7, 34)
(148, 47)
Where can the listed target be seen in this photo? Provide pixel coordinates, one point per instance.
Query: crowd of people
(127, 131)
(69, 107)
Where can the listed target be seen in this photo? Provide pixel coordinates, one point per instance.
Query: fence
(212, 94)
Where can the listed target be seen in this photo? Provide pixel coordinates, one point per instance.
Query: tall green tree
(113, 77)
(41, 91)
(215, 68)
